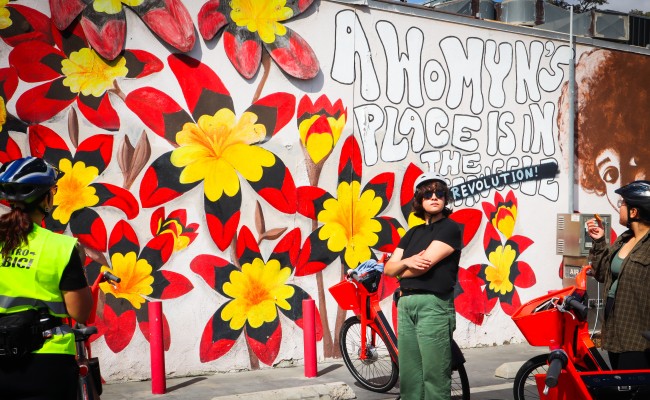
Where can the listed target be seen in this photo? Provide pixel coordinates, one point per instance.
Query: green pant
(426, 323)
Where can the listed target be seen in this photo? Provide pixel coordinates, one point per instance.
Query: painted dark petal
(210, 102)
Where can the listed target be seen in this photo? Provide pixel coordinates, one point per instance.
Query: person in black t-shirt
(426, 263)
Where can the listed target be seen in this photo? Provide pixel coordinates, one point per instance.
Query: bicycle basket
(539, 321)
(370, 280)
(345, 294)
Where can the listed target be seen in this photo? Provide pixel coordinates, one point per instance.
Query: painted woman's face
(615, 172)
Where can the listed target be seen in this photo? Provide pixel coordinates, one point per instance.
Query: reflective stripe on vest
(7, 302)
(30, 276)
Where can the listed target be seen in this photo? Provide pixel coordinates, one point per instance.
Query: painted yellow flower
(256, 291)
(89, 74)
(319, 144)
(114, 6)
(3, 113)
(176, 230)
(135, 278)
(504, 220)
(498, 274)
(261, 16)
(218, 147)
(74, 191)
(5, 17)
(349, 222)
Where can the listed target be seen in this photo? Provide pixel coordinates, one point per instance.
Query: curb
(508, 370)
(325, 391)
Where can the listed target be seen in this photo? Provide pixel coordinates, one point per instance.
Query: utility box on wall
(571, 233)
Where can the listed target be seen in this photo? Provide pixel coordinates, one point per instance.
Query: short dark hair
(418, 209)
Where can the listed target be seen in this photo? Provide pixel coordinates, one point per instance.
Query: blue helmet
(27, 179)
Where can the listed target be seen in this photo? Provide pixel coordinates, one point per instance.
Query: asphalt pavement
(491, 372)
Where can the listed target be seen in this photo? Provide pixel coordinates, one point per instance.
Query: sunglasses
(440, 194)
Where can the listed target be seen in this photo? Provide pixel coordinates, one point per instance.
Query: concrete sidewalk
(334, 381)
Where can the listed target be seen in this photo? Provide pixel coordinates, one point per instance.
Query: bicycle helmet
(637, 195)
(426, 177)
(27, 179)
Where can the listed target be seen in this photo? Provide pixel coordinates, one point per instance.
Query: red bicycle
(368, 343)
(574, 369)
(90, 380)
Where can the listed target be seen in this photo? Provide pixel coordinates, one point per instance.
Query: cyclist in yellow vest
(41, 281)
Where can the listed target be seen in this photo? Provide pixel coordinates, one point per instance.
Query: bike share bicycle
(574, 369)
(90, 380)
(368, 343)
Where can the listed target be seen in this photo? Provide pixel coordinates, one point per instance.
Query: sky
(624, 5)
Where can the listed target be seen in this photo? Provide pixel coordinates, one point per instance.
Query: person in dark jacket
(624, 267)
(41, 281)
(426, 263)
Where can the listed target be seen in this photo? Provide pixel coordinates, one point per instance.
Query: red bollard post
(309, 329)
(157, 348)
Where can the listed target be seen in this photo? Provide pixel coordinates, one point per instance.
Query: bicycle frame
(90, 386)
(351, 295)
(579, 365)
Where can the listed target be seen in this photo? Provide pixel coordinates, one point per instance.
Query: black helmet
(637, 195)
(27, 179)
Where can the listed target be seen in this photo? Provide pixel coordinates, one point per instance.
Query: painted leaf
(276, 186)
(203, 90)
(106, 33)
(265, 340)
(222, 218)
(170, 20)
(158, 111)
(243, 49)
(217, 338)
(87, 226)
(115, 196)
(123, 239)
(294, 55)
(170, 285)
(161, 183)
(29, 25)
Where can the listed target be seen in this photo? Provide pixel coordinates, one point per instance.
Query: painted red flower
(71, 72)
(80, 191)
(504, 272)
(104, 22)
(142, 280)
(257, 292)
(214, 147)
(251, 24)
(351, 221)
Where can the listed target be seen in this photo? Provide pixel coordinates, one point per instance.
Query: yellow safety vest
(30, 277)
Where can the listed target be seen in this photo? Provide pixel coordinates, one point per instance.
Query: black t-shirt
(73, 277)
(440, 278)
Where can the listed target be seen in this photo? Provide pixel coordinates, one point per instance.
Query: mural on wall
(232, 191)
(608, 135)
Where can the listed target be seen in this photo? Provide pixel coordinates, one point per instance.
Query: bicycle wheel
(525, 387)
(377, 372)
(459, 384)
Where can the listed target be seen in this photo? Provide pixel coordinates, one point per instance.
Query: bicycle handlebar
(353, 274)
(110, 277)
(578, 306)
(558, 360)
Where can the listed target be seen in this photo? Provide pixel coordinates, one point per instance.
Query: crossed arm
(419, 263)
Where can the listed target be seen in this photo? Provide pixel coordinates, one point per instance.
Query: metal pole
(572, 101)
